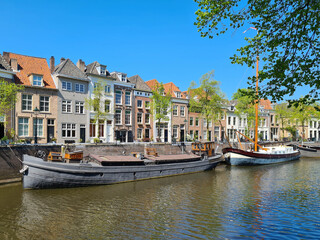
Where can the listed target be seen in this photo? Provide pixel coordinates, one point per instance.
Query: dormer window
(103, 70)
(123, 78)
(37, 80)
(178, 94)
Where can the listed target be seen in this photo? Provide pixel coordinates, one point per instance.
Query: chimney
(52, 64)
(62, 59)
(81, 65)
(14, 64)
(6, 57)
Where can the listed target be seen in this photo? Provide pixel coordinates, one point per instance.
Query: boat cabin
(203, 148)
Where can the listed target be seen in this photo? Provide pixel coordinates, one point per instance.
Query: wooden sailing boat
(261, 155)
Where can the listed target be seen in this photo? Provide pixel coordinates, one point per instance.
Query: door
(182, 135)
(165, 135)
(82, 134)
(109, 131)
(122, 137)
(1, 130)
(50, 130)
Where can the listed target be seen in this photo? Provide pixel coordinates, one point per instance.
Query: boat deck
(174, 158)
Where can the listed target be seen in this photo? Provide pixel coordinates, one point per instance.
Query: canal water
(279, 201)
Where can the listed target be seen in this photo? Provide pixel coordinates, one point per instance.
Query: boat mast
(256, 105)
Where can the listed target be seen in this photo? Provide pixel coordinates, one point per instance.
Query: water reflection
(264, 202)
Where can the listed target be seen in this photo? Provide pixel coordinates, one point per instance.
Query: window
(175, 131)
(178, 94)
(128, 98)
(147, 118)
(229, 120)
(175, 110)
(38, 124)
(210, 123)
(26, 102)
(234, 120)
(191, 134)
(139, 133)
(139, 103)
(118, 97)
(147, 104)
(80, 107)
(68, 130)
(44, 104)
(147, 133)
(66, 106)
(205, 135)
(139, 117)
(196, 135)
(197, 121)
(123, 78)
(23, 128)
(101, 128)
(117, 116)
(107, 89)
(103, 70)
(107, 106)
(222, 116)
(92, 128)
(191, 121)
(127, 117)
(182, 112)
(66, 86)
(79, 87)
(37, 80)
(204, 122)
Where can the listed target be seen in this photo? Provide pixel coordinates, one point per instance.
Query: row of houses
(52, 107)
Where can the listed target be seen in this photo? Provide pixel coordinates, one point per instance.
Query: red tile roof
(171, 88)
(32, 65)
(152, 83)
(266, 104)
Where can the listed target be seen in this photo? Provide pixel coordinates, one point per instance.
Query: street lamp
(36, 112)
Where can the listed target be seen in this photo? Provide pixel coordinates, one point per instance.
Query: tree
(160, 105)
(288, 38)
(303, 113)
(283, 114)
(95, 103)
(245, 105)
(207, 99)
(8, 96)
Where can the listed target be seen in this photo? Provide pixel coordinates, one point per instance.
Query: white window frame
(127, 117)
(37, 80)
(191, 121)
(66, 106)
(175, 110)
(147, 118)
(23, 127)
(139, 118)
(26, 103)
(68, 130)
(147, 104)
(39, 127)
(107, 89)
(139, 103)
(182, 111)
(127, 98)
(79, 88)
(79, 107)
(118, 93)
(118, 112)
(139, 133)
(66, 86)
(45, 101)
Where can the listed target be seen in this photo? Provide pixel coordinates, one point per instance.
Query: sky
(154, 39)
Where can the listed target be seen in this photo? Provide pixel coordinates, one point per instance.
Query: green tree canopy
(96, 104)
(8, 96)
(245, 103)
(288, 39)
(207, 98)
(160, 105)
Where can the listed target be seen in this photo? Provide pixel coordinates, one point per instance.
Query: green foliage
(283, 115)
(293, 131)
(207, 98)
(8, 96)
(245, 103)
(287, 38)
(160, 105)
(95, 103)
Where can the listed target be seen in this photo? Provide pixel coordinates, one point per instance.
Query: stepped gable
(4, 65)
(68, 68)
(139, 83)
(28, 65)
